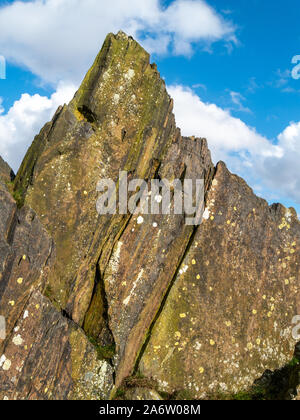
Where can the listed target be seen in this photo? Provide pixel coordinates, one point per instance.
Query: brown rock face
(6, 173)
(25, 254)
(44, 355)
(198, 311)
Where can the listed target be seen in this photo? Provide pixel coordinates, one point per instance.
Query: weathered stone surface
(120, 118)
(25, 255)
(6, 173)
(202, 310)
(228, 316)
(142, 394)
(25, 173)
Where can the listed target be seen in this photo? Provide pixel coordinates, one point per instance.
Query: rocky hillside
(118, 306)
(6, 173)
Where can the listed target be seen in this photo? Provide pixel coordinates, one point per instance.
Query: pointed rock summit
(6, 173)
(197, 311)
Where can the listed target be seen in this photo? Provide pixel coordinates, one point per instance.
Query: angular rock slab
(210, 317)
(49, 357)
(6, 173)
(229, 314)
(44, 355)
(142, 394)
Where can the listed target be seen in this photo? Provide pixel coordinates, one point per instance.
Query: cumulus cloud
(226, 134)
(282, 174)
(58, 39)
(25, 119)
(271, 169)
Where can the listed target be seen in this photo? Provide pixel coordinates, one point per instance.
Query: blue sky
(227, 64)
(269, 36)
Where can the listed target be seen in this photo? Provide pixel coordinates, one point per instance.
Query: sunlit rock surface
(90, 301)
(6, 173)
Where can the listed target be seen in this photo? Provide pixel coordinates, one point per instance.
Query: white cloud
(282, 174)
(59, 39)
(225, 133)
(25, 119)
(271, 169)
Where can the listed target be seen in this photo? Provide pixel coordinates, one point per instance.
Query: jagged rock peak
(6, 173)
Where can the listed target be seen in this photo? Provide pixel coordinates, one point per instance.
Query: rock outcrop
(197, 310)
(6, 173)
(45, 355)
